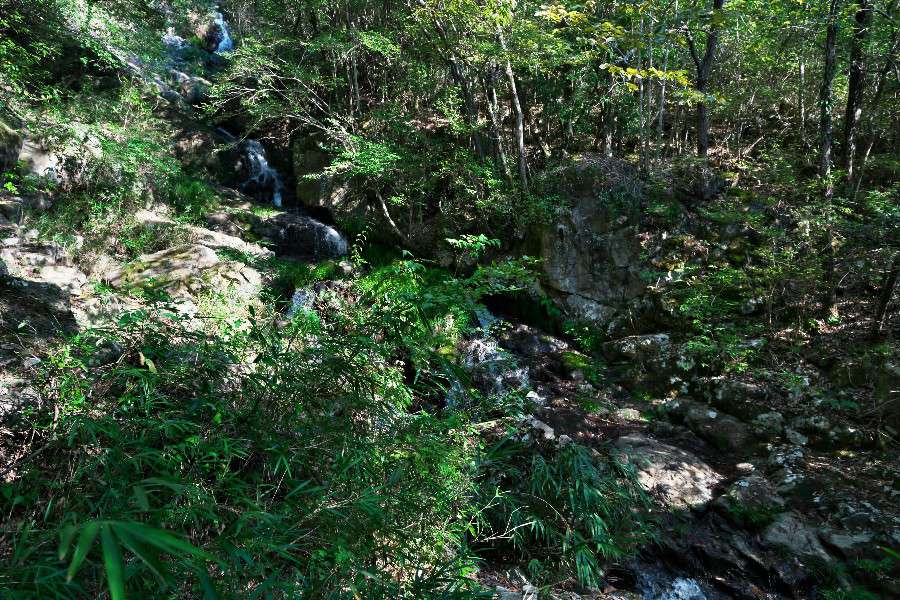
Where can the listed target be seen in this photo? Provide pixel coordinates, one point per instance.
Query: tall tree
(826, 139)
(703, 67)
(855, 84)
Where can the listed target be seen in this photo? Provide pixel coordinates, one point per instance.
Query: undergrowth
(273, 459)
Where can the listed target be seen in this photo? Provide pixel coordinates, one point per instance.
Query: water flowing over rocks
(261, 180)
(298, 235)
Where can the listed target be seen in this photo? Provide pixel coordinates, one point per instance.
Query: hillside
(451, 301)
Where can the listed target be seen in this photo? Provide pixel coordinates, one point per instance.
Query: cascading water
(262, 178)
(226, 44)
(658, 585)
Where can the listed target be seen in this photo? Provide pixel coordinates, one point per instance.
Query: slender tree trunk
(520, 118)
(802, 100)
(884, 298)
(459, 76)
(494, 113)
(826, 135)
(855, 85)
(704, 68)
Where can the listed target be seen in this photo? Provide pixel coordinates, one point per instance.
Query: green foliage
(848, 594)
(755, 517)
(562, 510)
(290, 459)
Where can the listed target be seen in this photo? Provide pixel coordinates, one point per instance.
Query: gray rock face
(720, 429)
(790, 533)
(676, 477)
(591, 252)
(314, 188)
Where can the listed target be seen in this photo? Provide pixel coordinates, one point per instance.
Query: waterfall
(226, 44)
(262, 177)
(655, 584)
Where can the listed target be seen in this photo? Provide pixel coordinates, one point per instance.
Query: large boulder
(186, 270)
(300, 235)
(315, 188)
(10, 146)
(790, 533)
(591, 250)
(677, 478)
(718, 428)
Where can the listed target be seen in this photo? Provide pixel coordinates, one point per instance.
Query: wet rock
(790, 533)
(529, 342)
(213, 32)
(493, 370)
(675, 588)
(676, 477)
(299, 235)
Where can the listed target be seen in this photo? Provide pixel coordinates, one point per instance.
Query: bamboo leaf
(112, 560)
(85, 540)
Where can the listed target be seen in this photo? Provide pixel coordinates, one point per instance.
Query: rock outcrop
(675, 477)
(591, 249)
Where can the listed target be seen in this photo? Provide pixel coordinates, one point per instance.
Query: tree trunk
(459, 76)
(520, 118)
(494, 113)
(704, 68)
(825, 145)
(884, 298)
(855, 84)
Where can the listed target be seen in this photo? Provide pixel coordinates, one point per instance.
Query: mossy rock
(10, 145)
(575, 360)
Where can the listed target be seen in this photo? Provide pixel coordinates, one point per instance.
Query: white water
(657, 586)
(226, 44)
(262, 175)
